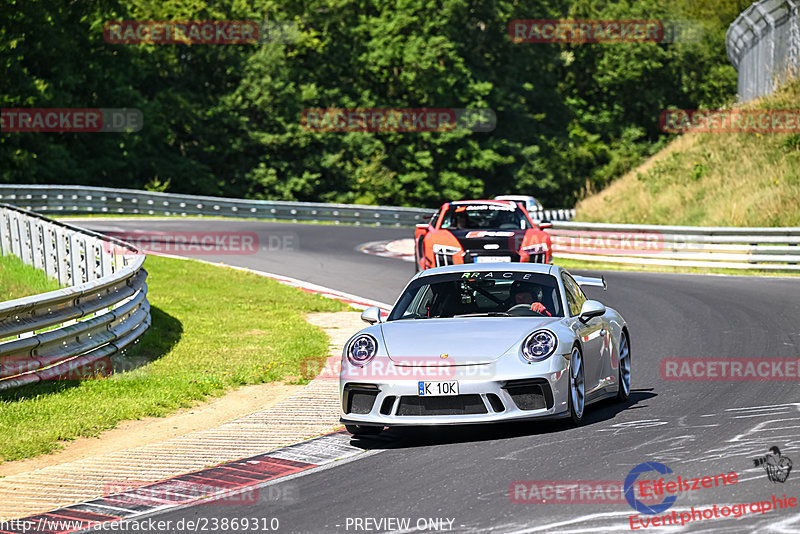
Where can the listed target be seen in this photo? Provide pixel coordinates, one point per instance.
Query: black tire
(574, 414)
(362, 430)
(624, 393)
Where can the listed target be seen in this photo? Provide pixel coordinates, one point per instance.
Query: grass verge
(213, 329)
(704, 179)
(18, 280)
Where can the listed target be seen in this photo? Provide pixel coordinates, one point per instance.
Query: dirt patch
(130, 434)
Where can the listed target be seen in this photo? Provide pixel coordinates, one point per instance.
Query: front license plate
(438, 389)
(492, 259)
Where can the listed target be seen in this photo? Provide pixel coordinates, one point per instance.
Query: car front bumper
(488, 393)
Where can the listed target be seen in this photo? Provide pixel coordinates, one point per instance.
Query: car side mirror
(545, 224)
(591, 308)
(422, 226)
(372, 315)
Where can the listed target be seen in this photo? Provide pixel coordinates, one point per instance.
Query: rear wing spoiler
(591, 281)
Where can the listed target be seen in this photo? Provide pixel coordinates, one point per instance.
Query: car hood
(467, 340)
(477, 239)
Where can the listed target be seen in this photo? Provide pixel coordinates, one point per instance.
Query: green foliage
(225, 119)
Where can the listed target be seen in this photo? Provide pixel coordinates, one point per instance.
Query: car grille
(532, 394)
(538, 258)
(452, 405)
(443, 259)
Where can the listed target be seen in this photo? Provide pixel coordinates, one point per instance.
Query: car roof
(541, 268)
(503, 202)
(514, 197)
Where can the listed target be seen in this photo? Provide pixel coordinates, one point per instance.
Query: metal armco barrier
(764, 45)
(66, 200)
(552, 215)
(689, 246)
(62, 333)
(62, 200)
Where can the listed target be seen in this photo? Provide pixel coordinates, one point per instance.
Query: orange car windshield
(484, 216)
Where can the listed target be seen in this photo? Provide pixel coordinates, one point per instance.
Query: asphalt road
(462, 475)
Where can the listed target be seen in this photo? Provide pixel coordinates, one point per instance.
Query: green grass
(213, 329)
(19, 280)
(705, 179)
(573, 264)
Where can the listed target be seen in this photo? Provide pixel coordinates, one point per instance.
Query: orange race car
(480, 231)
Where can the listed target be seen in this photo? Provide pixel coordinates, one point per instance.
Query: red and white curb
(235, 482)
(401, 249)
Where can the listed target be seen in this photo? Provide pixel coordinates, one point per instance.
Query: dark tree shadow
(423, 436)
(164, 332)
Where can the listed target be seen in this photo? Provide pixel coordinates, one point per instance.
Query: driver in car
(524, 294)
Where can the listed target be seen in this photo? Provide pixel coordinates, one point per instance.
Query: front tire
(577, 386)
(624, 390)
(362, 430)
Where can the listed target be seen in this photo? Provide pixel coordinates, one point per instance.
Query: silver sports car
(485, 343)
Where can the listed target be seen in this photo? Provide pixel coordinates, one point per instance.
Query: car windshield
(498, 293)
(483, 216)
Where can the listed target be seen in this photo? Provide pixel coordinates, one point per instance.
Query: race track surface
(463, 474)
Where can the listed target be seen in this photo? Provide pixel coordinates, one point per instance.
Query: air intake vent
(453, 405)
(532, 394)
(359, 399)
(386, 406)
(497, 404)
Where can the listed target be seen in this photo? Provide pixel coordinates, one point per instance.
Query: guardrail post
(76, 267)
(5, 232)
(62, 258)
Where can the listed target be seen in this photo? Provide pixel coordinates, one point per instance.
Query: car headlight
(362, 349)
(539, 346)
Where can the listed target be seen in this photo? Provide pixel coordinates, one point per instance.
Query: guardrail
(764, 45)
(70, 200)
(96, 318)
(553, 215)
(689, 246)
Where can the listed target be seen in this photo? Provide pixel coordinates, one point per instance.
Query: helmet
(535, 290)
